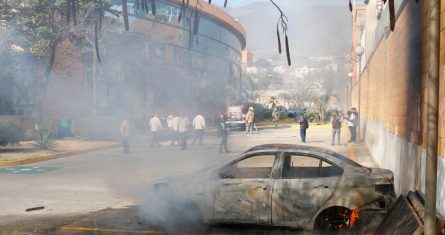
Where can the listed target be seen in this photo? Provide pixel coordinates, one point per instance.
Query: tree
(300, 92)
(321, 105)
(253, 85)
(39, 26)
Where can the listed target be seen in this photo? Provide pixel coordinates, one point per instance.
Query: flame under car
(282, 185)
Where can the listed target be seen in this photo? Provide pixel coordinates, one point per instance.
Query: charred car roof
(297, 148)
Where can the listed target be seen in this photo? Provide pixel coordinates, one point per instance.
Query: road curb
(55, 156)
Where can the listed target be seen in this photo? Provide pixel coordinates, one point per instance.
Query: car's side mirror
(226, 173)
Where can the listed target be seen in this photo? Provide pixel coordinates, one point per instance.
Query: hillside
(314, 29)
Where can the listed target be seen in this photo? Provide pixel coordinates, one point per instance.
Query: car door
(305, 184)
(242, 192)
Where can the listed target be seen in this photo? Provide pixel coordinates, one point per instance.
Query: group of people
(337, 120)
(178, 127)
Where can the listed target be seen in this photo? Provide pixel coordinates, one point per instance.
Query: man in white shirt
(352, 125)
(155, 128)
(199, 125)
(174, 126)
(184, 124)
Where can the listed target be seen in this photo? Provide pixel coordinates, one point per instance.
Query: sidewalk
(26, 154)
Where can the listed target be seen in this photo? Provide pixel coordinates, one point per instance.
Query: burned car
(282, 185)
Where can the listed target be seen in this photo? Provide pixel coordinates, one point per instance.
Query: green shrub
(43, 139)
(312, 116)
(10, 133)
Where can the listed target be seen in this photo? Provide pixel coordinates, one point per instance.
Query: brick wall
(442, 82)
(67, 94)
(393, 100)
(392, 83)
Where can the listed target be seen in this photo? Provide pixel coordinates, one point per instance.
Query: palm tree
(321, 104)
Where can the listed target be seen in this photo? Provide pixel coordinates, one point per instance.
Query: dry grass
(25, 149)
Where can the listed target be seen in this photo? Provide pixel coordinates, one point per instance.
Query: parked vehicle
(282, 185)
(282, 110)
(235, 118)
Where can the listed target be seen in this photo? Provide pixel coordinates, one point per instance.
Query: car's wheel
(337, 220)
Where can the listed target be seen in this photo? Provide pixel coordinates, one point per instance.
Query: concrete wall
(392, 152)
(393, 95)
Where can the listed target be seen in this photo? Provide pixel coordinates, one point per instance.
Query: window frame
(320, 158)
(273, 171)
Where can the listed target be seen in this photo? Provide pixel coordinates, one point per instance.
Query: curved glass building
(183, 56)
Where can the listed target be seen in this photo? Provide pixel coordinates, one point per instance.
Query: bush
(10, 133)
(312, 116)
(43, 139)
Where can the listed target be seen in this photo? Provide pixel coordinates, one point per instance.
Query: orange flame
(353, 217)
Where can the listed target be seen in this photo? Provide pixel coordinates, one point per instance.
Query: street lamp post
(359, 50)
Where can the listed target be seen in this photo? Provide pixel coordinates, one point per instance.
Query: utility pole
(359, 50)
(347, 97)
(432, 117)
(94, 95)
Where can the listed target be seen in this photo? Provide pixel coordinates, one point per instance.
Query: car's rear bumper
(236, 126)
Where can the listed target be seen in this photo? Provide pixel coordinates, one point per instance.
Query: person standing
(156, 128)
(169, 123)
(174, 131)
(352, 120)
(303, 126)
(223, 133)
(336, 121)
(275, 116)
(125, 132)
(250, 120)
(356, 123)
(199, 125)
(183, 128)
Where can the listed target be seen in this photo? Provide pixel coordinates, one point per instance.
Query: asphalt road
(75, 189)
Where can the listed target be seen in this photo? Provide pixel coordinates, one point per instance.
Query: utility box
(64, 127)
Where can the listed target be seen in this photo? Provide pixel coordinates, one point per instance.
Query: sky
(236, 3)
(327, 18)
(240, 3)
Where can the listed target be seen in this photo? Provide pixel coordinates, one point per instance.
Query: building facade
(172, 59)
(389, 87)
(181, 58)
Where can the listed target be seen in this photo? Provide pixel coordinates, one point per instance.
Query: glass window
(259, 166)
(218, 47)
(299, 166)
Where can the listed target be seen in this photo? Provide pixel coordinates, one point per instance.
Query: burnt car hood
(190, 183)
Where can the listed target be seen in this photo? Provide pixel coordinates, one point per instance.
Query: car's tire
(336, 220)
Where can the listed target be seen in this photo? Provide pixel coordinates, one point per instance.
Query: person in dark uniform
(223, 133)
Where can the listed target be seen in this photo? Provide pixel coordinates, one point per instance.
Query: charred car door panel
(242, 192)
(306, 183)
